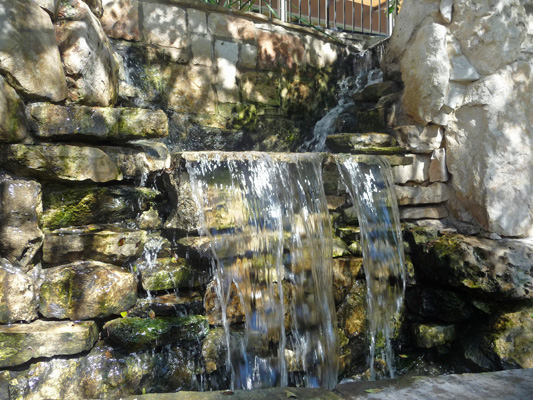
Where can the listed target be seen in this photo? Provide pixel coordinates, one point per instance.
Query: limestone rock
(136, 334)
(428, 212)
(114, 246)
(140, 158)
(234, 310)
(428, 336)
(29, 56)
(446, 8)
(20, 210)
(417, 171)
(71, 163)
(121, 20)
(483, 31)
(18, 301)
(167, 273)
(410, 195)
(499, 268)
(494, 186)
(50, 6)
(377, 90)
(88, 59)
(462, 70)
(45, 339)
(345, 272)
(437, 166)
(95, 6)
(420, 139)
(184, 214)
(426, 73)
(231, 27)
(85, 290)
(106, 372)
(56, 122)
(66, 207)
(13, 124)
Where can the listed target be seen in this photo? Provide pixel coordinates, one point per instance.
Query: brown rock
(276, 51)
(121, 20)
(18, 301)
(87, 289)
(13, 125)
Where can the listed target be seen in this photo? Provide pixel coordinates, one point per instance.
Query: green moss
(136, 334)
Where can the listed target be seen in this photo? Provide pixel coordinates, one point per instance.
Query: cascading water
(369, 185)
(270, 235)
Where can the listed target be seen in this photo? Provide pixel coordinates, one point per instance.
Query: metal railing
(374, 17)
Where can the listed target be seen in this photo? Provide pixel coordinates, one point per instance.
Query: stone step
(22, 342)
(348, 142)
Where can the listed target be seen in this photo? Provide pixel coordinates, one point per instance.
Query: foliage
(245, 5)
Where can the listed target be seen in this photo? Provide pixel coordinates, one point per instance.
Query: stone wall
(466, 67)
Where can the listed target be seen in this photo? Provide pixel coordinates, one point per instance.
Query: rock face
(453, 81)
(21, 208)
(45, 339)
(18, 300)
(85, 290)
(13, 125)
(28, 51)
(89, 61)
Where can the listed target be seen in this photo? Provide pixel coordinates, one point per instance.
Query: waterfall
(369, 184)
(270, 232)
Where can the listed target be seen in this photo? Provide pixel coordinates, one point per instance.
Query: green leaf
(373, 390)
(124, 314)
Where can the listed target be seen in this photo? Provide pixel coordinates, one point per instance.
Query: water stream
(270, 236)
(369, 184)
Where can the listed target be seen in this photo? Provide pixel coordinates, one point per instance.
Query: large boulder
(85, 290)
(494, 186)
(89, 61)
(29, 56)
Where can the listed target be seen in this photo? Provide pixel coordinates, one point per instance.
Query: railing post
(327, 13)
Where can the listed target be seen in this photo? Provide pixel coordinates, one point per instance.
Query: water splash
(369, 185)
(271, 239)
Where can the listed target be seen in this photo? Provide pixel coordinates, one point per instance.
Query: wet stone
(168, 273)
(234, 309)
(22, 342)
(99, 243)
(136, 334)
(428, 336)
(85, 290)
(13, 124)
(345, 272)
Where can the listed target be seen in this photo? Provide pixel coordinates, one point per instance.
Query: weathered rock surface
(438, 305)
(345, 272)
(234, 310)
(88, 59)
(168, 273)
(66, 206)
(13, 124)
(420, 139)
(505, 343)
(416, 171)
(18, 300)
(45, 339)
(358, 142)
(168, 305)
(135, 334)
(85, 290)
(502, 268)
(184, 214)
(54, 122)
(121, 20)
(111, 245)
(428, 336)
(426, 73)
(71, 163)
(105, 372)
(427, 212)
(494, 186)
(410, 195)
(29, 56)
(21, 208)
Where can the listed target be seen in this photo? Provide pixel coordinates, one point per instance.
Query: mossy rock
(168, 273)
(64, 207)
(135, 334)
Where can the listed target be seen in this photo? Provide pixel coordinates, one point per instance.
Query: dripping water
(271, 239)
(369, 184)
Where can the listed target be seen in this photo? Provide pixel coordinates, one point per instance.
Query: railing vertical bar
(353, 16)
(309, 11)
(334, 14)
(388, 18)
(318, 3)
(344, 15)
(379, 16)
(370, 9)
(300, 11)
(362, 17)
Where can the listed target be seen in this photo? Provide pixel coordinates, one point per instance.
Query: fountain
(267, 219)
